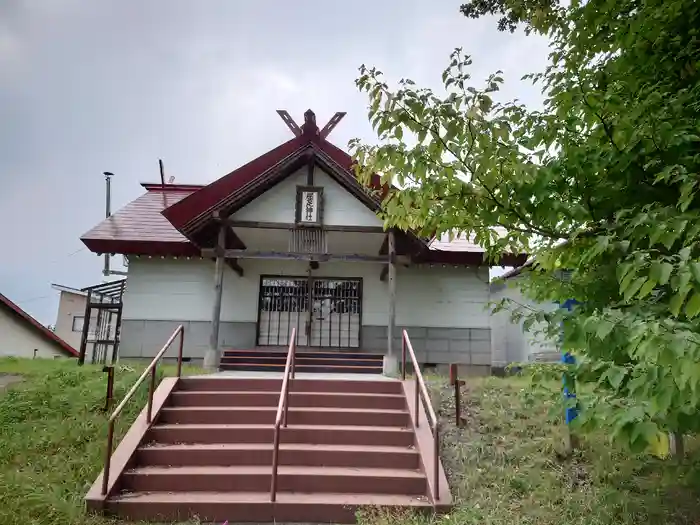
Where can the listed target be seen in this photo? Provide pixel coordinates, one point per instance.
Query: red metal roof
(152, 224)
(139, 228)
(37, 327)
(208, 197)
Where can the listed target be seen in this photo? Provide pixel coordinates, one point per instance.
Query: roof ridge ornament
(309, 127)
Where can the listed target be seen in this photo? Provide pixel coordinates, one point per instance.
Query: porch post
(390, 359)
(211, 357)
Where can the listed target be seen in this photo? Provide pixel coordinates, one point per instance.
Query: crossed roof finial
(309, 127)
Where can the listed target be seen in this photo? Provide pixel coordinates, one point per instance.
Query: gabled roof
(36, 327)
(180, 219)
(234, 190)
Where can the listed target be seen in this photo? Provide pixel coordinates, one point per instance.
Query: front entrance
(326, 312)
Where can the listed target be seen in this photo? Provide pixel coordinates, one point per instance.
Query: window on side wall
(78, 322)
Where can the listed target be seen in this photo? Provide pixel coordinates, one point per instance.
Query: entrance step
(237, 384)
(255, 507)
(297, 399)
(290, 454)
(247, 415)
(290, 478)
(310, 362)
(323, 435)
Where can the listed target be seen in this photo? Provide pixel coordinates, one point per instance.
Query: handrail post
(108, 457)
(179, 355)
(151, 389)
(294, 360)
(436, 463)
(417, 401)
(275, 459)
(403, 355)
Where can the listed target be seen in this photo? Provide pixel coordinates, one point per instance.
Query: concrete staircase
(339, 362)
(208, 454)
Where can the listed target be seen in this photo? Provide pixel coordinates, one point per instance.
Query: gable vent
(307, 240)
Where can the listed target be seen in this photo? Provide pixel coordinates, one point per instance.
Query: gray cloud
(114, 85)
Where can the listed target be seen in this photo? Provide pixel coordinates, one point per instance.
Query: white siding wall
(509, 342)
(339, 206)
(16, 339)
(182, 290)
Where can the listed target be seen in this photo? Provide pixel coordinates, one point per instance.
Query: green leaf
(660, 272)
(604, 328)
(677, 300)
(646, 289)
(615, 375)
(634, 288)
(695, 271)
(693, 307)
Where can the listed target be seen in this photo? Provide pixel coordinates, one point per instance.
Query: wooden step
(254, 507)
(315, 369)
(362, 356)
(225, 454)
(300, 361)
(238, 384)
(321, 435)
(297, 416)
(188, 398)
(290, 478)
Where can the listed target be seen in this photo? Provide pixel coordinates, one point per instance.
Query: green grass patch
(52, 437)
(506, 468)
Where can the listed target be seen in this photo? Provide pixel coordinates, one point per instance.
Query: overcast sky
(88, 86)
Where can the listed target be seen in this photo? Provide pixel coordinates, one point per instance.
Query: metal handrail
(151, 368)
(422, 392)
(282, 409)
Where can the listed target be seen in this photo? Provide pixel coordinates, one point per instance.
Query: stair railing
(422, 394)
(282, 410)
(150, 369)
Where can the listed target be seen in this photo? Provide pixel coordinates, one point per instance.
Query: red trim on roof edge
(208, 197)
(180, 213)
(38, 327)
(157, 186)
(158, 248)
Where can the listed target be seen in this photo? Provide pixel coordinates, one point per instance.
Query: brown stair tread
(291, 409)
(379, 359)
(233, 427)
(184, 447)
(264, 497)
(298, 366)
(281, 470)
(291, 393)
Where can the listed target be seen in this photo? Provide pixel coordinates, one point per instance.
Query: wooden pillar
(86, 327)
(390, 362)
(211, 358)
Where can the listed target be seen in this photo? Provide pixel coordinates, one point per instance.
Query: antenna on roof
(108, 213)
(162, 172)
(289, 121)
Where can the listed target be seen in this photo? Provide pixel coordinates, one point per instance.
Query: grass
(505, 467)
(52, 437)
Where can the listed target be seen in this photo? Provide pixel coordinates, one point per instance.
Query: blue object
(568, 359)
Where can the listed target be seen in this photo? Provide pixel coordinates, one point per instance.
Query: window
(78, 322)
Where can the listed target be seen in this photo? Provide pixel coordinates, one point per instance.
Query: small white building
(293, 240)
(510, 342)
(102, 327)
(23, 336)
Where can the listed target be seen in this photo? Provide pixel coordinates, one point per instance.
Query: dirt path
(8, 379)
